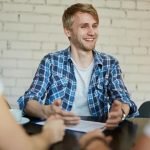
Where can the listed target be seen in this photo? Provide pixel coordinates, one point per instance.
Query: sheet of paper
(86, 126)
(83, 126)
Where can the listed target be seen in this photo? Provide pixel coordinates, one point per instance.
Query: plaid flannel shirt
(55, 79)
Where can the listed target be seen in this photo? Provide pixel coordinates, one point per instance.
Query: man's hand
(68, 117)
(115, 114)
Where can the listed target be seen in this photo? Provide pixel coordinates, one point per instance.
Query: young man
(84, 80)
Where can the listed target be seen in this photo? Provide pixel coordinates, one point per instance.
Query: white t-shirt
(83, 76)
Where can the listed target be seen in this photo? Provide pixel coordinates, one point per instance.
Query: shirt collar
(97, 57)
(69, 54)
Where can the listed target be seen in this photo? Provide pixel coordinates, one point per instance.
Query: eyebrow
(88, 23)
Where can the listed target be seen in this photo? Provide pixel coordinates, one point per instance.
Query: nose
(91, 31)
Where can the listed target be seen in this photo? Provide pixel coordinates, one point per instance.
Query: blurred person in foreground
(95, 140)
(143, 142)
(12, 135)
(87, 82)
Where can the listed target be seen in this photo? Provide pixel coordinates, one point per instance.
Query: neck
(82, 58)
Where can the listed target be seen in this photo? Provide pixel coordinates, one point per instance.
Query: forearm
(34, 109)
(52, 132)
(41, 141)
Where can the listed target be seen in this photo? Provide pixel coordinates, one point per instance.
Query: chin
(90, 48)
(87, 49)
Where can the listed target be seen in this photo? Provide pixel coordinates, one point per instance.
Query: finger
(74, 118)
(71, 122)
(48, 110)
(111, 126)
(116, 104)
(115, 114)
(108, 139)
(57, 102)
(68, 114)
(113, 121)
(56, 109)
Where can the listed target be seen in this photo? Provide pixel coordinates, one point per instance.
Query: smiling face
(84, 32)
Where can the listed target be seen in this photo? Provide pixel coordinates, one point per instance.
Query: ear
(67, 32)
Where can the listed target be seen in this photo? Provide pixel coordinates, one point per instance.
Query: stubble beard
(88, 48)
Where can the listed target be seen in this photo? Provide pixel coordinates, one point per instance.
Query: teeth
(89, 39)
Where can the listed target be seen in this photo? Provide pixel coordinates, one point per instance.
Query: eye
(83, 26)
(95, 25)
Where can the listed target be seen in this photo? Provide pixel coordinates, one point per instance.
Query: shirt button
(99, 86)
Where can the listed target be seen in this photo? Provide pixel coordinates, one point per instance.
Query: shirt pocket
(58, 83)
(101, 89)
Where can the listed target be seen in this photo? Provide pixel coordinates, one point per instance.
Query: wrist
(125, 110)
(123, 114)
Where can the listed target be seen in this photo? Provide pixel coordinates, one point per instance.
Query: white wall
(29, 29)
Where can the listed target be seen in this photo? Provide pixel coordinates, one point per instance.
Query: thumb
(116, 104)
(57, 102)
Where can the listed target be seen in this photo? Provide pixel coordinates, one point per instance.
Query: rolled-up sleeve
(39, 85)
(118, 90)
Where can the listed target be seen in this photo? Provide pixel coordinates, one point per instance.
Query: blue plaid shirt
(55, 79)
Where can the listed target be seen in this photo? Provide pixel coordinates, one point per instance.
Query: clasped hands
(55, 109)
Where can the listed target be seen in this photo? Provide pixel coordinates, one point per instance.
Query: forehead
(81, 17)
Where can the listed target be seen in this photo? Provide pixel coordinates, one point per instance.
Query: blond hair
(69, 13)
